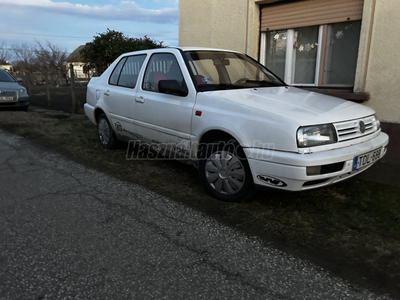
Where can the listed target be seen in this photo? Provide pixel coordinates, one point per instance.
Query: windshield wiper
(229, 86)
(245, 85)
(221, 86)
(261, 83)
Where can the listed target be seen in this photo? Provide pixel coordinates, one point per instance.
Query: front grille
(8, 96)
(354, 129)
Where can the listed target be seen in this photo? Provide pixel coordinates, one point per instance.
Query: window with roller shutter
(312, 42)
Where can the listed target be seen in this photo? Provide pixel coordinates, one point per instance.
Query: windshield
(5, 77)
(218, 70)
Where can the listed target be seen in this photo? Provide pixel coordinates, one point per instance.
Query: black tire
(106, 134)
(225, 172)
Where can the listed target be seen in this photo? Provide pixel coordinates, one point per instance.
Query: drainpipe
(247, 27)
(371, 26)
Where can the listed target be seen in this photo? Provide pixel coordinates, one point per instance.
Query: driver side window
(162, 66)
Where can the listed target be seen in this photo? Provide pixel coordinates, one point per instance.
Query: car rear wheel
(225, 172)
(105, 133)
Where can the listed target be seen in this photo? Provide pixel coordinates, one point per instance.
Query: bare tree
(24, 53)
(52, 58)
(4, 53)
(26, 61)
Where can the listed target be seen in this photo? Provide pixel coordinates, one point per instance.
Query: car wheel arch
(97, 113)
(216, 134)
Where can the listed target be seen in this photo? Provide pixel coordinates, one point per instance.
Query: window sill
(340, 92)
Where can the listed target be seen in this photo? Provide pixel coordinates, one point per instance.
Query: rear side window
(127, 71)
(115, 74)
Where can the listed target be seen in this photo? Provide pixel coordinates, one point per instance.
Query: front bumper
(288, 171)
(21, 103)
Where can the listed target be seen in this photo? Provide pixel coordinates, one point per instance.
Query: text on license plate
(366, 159)
(6, 98)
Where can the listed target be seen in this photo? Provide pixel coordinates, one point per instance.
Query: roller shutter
(309, 12)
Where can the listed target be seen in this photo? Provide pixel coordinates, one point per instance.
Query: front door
(160, 117)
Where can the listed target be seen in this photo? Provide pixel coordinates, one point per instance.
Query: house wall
(78, 69)
(8, 68)
(377, 74)
(235, 25)
(223, 24)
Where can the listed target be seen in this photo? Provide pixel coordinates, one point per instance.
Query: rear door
(119, 97)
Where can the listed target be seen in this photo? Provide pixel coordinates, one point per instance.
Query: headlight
(316, 135)
(22, 91)
(377, 123)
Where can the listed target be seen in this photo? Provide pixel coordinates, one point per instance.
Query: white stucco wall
(78, 70)
(383, 70)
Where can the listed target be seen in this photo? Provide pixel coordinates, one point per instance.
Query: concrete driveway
(69, 232)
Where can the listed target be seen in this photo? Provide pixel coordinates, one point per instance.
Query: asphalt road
(69, 232)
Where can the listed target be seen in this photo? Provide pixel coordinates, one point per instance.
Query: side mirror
(19, 79)
(172, 87)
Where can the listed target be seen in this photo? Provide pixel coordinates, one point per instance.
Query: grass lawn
(351, 229)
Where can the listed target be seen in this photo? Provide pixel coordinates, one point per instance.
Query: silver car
(12, 95)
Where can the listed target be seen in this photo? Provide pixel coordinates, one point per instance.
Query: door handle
(139, 99)
(107, 93)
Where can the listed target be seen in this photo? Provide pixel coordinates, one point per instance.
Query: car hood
(9, 85)
(302, 107)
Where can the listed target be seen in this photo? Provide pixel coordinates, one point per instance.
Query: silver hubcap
(225, 173)
(104, 132)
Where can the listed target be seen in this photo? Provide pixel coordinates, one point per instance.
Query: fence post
(73, 96)
(28, 82)
(46, 78)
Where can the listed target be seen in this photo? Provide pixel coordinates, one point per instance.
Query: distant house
(5, 65)
(80, 70)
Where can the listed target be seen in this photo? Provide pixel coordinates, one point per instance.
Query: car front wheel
(225, 172)
(105, 133)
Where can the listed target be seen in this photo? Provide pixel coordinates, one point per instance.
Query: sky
(70, 23)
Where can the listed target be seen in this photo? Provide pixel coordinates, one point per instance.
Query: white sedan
(234, 120)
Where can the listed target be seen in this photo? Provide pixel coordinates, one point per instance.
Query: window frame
(289, 67)
(148, 66)
(125, 59)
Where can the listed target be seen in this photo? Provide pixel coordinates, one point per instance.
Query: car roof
(204, 49)
(179, 48)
